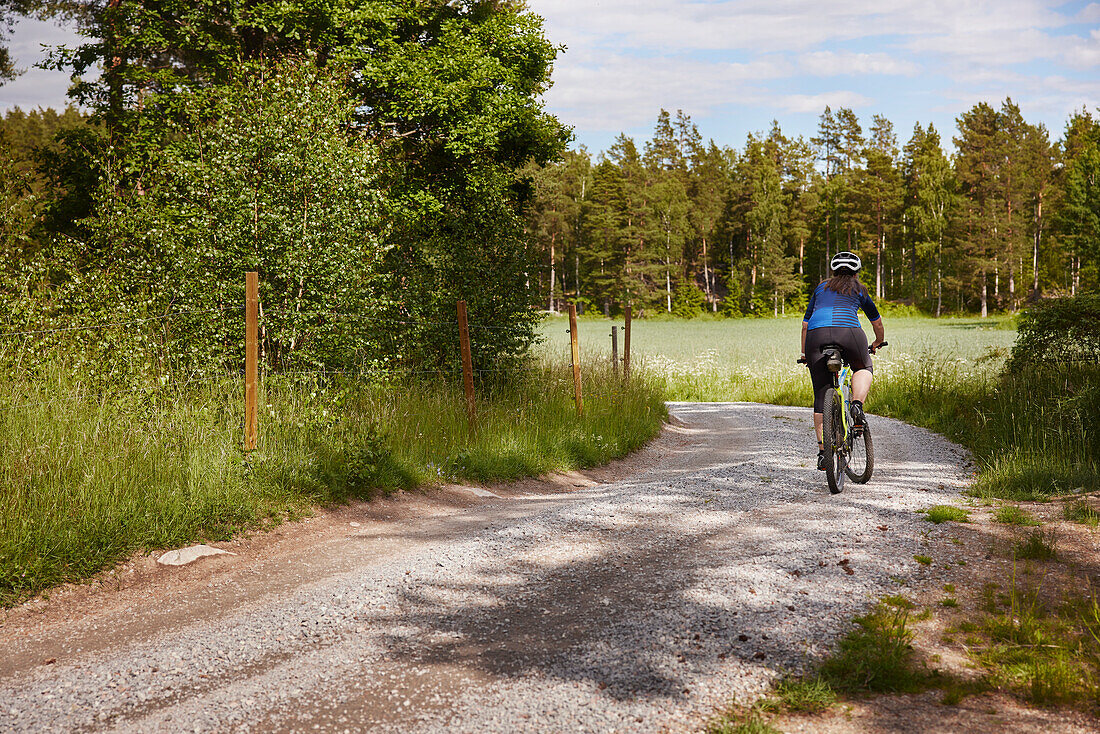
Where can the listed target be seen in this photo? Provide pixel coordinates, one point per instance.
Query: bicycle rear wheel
(861, 458)
(833, 437)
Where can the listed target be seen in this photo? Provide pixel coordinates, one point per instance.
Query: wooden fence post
(626, 346)
(615, 349)
(576, 349)
(251, 360)
(467, 364)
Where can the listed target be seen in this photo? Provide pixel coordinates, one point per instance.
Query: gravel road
(644, 604)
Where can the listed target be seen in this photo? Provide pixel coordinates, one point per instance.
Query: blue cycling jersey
(829, 308)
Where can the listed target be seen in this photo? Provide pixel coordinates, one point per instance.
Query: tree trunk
(939, 276)
(553, 274)
(878, 264)
(1035, 247)
(668, 283)
(1012, 284)
(577, 272)
(985, 296)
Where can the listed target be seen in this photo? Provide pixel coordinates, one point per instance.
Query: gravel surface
(641, 605)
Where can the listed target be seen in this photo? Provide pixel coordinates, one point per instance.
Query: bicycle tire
(832, 432)
(861, 461)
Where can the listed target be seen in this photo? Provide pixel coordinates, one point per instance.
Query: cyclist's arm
(806, 319)
(880, 334)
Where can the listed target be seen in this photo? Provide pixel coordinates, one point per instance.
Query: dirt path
(639, 597)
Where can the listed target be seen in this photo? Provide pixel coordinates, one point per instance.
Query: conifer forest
(995, 216)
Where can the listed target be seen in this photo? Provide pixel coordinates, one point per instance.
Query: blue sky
(734, 65)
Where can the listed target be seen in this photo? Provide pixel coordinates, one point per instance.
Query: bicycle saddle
(832, 354)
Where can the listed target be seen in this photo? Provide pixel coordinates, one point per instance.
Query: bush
(1057, 331)
(261, 175)
(688, 301)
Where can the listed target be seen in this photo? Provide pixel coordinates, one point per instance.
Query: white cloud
(1084, 53)
(36, 87)
(832, 63)
(628, 58)
(612, 92)
(1089, 14)
(801, 103)
(780, 25)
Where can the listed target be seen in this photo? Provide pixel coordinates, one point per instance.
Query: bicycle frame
(842, 383)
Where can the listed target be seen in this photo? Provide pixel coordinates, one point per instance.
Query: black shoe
(821, 460)
(858, 419)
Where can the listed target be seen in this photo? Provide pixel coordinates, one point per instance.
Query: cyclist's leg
(819, 374)
(855, 351)
(861, 384)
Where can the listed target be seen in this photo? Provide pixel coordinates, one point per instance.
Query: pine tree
(878, 193)
(1079, 216)
(930, 201)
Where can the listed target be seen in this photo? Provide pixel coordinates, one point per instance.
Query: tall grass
(88, 476)
(1034, 434)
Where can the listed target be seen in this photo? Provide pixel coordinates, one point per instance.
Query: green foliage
(923, 560)
(436, 106)
(735, 293)
(946, 513)
(1058, 331)
(688, 301)
(263, 177)
(1013, 515)
(1039, 545)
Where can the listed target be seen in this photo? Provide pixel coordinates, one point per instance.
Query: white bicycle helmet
(846, 260)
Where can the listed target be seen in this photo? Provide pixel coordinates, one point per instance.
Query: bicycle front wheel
(833, 438)
(861, 457)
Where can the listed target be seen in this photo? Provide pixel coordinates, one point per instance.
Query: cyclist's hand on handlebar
(877, 346)
(802, 359)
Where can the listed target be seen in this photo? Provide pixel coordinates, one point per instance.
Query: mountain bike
(849, 453)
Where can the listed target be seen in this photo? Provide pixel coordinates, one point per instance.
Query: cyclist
(832, 318)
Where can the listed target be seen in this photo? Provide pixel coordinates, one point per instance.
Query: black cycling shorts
(852, 341)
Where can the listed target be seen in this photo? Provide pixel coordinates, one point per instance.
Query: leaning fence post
(251, 360)
(615, 349)
(467, 363)
(626, 346)
(576, 350)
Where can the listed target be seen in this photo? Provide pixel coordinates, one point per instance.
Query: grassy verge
(88, 477)
(1034, 435)
(875, 657)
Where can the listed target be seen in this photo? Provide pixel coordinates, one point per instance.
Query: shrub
(260, 175)
(1060, 330)
(688, 300)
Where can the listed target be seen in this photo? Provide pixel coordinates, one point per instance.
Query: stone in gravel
(183, 556)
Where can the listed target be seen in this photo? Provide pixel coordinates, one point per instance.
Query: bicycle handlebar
(803, 360)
